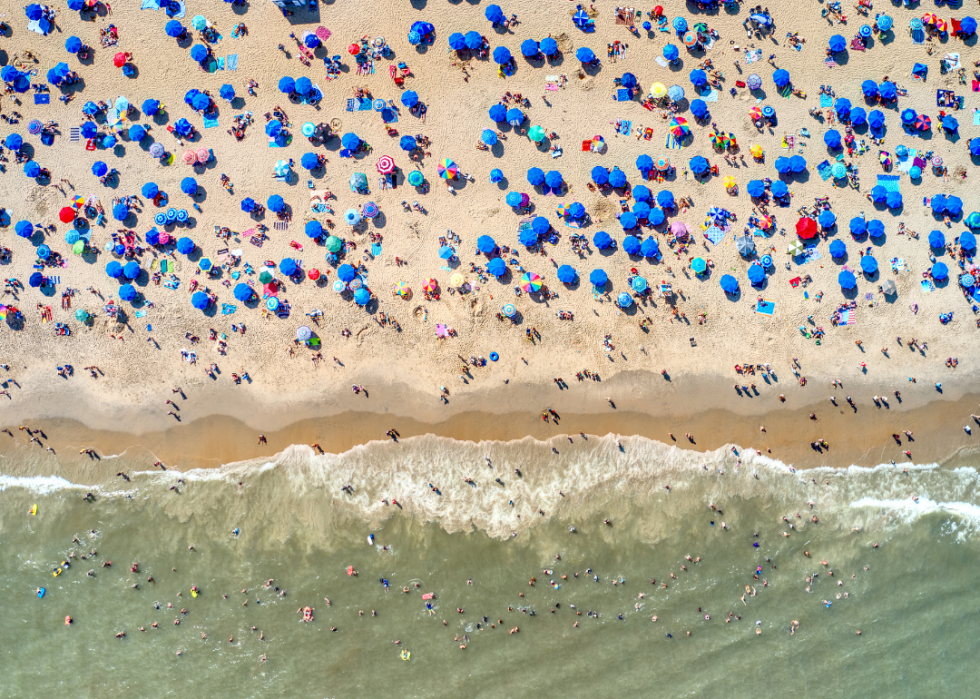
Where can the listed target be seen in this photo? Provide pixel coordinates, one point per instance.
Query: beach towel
(280, 225)
(661, 61)
(786, 91)
(221, 63)
(889, 182)
(141, 314)
(830, 63)
(918, 36)
(826, 101)
(54, 280)
(976, 118)
(42, 98)
(150, 5)
(710, 96)
(210, 122)
(753, 55)
(74, 134)
(952, 61)
(824, 170)
(810, 253)
(365, 105)
(845, 317)
(672, 142)
(714, 234)
(227, 309)
(351, 105)
(623, 95)
(231, 61)
(765, 307)
(927, 287)
(624, 127)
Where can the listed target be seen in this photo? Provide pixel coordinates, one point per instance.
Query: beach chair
(916, 32)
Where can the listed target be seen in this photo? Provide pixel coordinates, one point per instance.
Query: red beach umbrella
(806, 228)
(67, 215)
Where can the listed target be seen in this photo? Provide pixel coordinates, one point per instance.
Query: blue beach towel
(42, 98)
(826, 101)
(889, 182)
(231, 61)
(210, 122)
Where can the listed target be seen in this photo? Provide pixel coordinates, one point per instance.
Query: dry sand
(404, 370)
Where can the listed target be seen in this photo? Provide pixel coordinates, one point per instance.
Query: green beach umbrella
(536, 134)
(82, 315)
(265, 277)
(333, 243)
(79, 247)
(415, 178)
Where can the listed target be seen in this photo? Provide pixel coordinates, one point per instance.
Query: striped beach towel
(231, 61)
(672, 142)
(845, 317)
(74, 134)
(280, 225)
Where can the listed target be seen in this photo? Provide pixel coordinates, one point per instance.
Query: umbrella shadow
(241, 9)
(556, 60)
(592, 70)
(897, 211)
(497, 150)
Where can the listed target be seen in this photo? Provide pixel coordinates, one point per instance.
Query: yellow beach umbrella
(457, 279)
(657, 90)
(756, 151)
(729, 182)
(401, 288)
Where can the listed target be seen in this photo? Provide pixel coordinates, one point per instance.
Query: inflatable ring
(406, 655)
(494, 356)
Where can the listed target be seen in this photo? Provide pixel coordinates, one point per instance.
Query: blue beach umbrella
(198, 53)
(497, 267)
(501, 55)
(174, 29)
(940, 271)
(869, 88)
(756, 188)
(575, 211)
(782, 165)
(878, 194)
(24, 229)
(275, 203)
(756, 274)
(624, 300)
(248, 205)
(698, 78)
(640, 192)
(486, 244)
(679, 24)
(598, 278)
(968, 26)
(665, 199)
(150, 107)
(473, 40)
(655, 217)
(837, 43)
(32, 169)
(846, 279)
(185, 246)
(650, 247)
(826, 219)
(567, 274)
(602, 240)
(729, 284)
(540, 225)
(676, 93)
(188, 186)
(73, 44)
(600, 175)
(136, 133)
(950, 124)
(937, 240)
(200, 300)
(304, 86)
(781, 78)
(893, 200)
(243, 292)
(857, 226)
(627, 220)
(498, 113)
(838, 249)
(698, 165)
(858, 116)
(287, 85)
(974, 146)
(641, 209)
(457, 42)
(876, 228)
(494, 14)
(887, 90)
(346, 273)
(549, 47)
(313, 229)
(937, 203)
(644, 163)
(288, 266)
(410, 98)
(584, 54)
(309, 161)
(908, 116)
(407, 143)
(529, 49)
(954, 206)
(699, 109)
(670, 52)
(131, 270)
(631, 245)
(362, 296)
(127, 292)
(114, 269)
(869, 265)
(527, 237)
(553, 179)
(535, 176)
(15, 141)
(779, 189)
(446, 252)
(120, 212)
(350, 141)
(513, 199)
(617, 178)
(515, 117)
(968, 241)
(884, 22)
(876, 119)
(797, 163)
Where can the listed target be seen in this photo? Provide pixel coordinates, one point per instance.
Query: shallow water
(915, 604)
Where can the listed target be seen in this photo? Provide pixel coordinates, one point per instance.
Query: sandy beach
(404, 368)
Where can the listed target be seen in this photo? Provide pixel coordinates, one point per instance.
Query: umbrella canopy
(584, 54)
(15, 141)
(509, 310)
(781, 77)
(486, 244)
(127, 292)
(756, 188)
(806, 228)
(288, 266)
(857, 226)
(598, 278)
(515, 117)
(950, 124)
(350, 141)
(968, 26)
(407, 143)
(131, 270)
(698, 165)
(540, 225)
(869, 88)
(447, 169)
(846, 279)
(602, 240)
(136, 133)
(879, 194)
(754, 82)
(553, 179)
(782, 165)
(243, 292)
(575, 211)
(473, 40)
(908, 116)
(67, 214)
(617, 178)
(797, 163)
(346, 273)
(530, 282)
(832, 139)
(498, 113)
(884, 22)
(174, 29)
(549, 47)
(333, 243)
(698, 78)
(457, 42)
(501, 55)
(745, 245)
(876, 228)
(200, 300)
(641, 209)
(837, 43)
(566, 274)
(624, 300)
(671, 52)
(729, 284)
(699, 109)
(185, 246)
(497, 267)
(665, 199)
(489, 137)
(627, 220)
(120, 212)
(314, 229)
(25, 229)
(858, 116)
(641, 193)
(699, 265)
(827, 219)
(529, 49)
(416, 178)
(527, 237)
(968, 241)
(838, 249)
(679, 24)
(940, 271)
(650, 248)
(937, 240)
(893, 200)
(644, 163)
(954, 206)
(628, 80)
(352, 217)
(188, 186)
(600, 175)
(938, 203)
(446, 252)
(114, 269)
(658, 90)
(655, 217)
(494, 14)
(869, 265)
(410, 98)
(756, 274)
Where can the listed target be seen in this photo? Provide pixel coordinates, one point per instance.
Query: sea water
(547, 581)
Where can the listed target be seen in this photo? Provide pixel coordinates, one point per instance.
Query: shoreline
(217, 430)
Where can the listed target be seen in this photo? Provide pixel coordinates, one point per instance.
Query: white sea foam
(42, 485)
